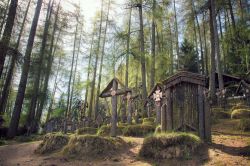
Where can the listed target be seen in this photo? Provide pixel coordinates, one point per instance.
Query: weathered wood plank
(163, 118)
(169, 110)
(201, 112)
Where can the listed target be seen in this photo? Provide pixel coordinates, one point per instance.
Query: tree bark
(152, 80)
(176, 35)
(212, 89)
(24, 76)
(95, 67)
(102, 56)
(31, 120)
(69, 84)
(7, 84)
(142, 49)
(7, 33)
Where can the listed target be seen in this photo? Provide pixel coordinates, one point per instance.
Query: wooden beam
(118, 92)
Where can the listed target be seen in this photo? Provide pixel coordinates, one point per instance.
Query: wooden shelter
(112, 90)
(185, 107)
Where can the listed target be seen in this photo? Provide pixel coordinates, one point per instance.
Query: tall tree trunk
(102, 56)
(76, 64)
(200, 41)
(7, 33)
(128, 48)
(171, 48)
(152, 80)
(7, 84)
(55, 83)
(205, 45)
(212, 89)
(176, 35)
(69, 84)
(217, 45)
(4, 16)
(89, 64)
(48, 69)
(31, 121)
(24, 76)
(95, 67)
(231, 14)
(143, 65)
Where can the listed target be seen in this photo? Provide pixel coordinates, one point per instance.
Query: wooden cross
(112, 91)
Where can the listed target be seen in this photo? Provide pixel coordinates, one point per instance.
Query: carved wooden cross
(112, 91)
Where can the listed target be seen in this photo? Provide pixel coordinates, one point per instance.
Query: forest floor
(229, 147)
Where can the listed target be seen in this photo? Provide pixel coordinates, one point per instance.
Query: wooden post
(201, 112)
(158, 112)
(207, 119)
(163, 117)
(169, 110)
(129, 119)
(114, 109)
(148, 110)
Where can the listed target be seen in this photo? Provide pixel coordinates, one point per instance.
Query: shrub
(92, 146)
(138, 130)
(244, 125)
(86, 130)
(169, 145)
(105, 130)
(240, 113)
(52, 142)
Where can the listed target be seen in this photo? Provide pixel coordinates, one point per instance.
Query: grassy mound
(244, 125)
(2, 142)
(52, 142)
(158, 129)
(240, 114)
(148, 121)
(105, 130)
(92, 146)
(86, 130)
(138, 130)
(169, 145)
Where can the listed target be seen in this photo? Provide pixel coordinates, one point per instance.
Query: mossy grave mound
(52, 142)
(86, 130)
(240, 114)
(148, 121)
(105, 130)
(93, 146)
(244, 125)
(240, 106)
(169, 145)
(138, 130)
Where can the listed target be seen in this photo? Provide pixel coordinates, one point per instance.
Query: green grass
(138, 130)
(52, 142)
(92, 146)
(170, 145)
(105, 130)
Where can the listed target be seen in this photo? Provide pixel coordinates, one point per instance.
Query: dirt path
(227, 149)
